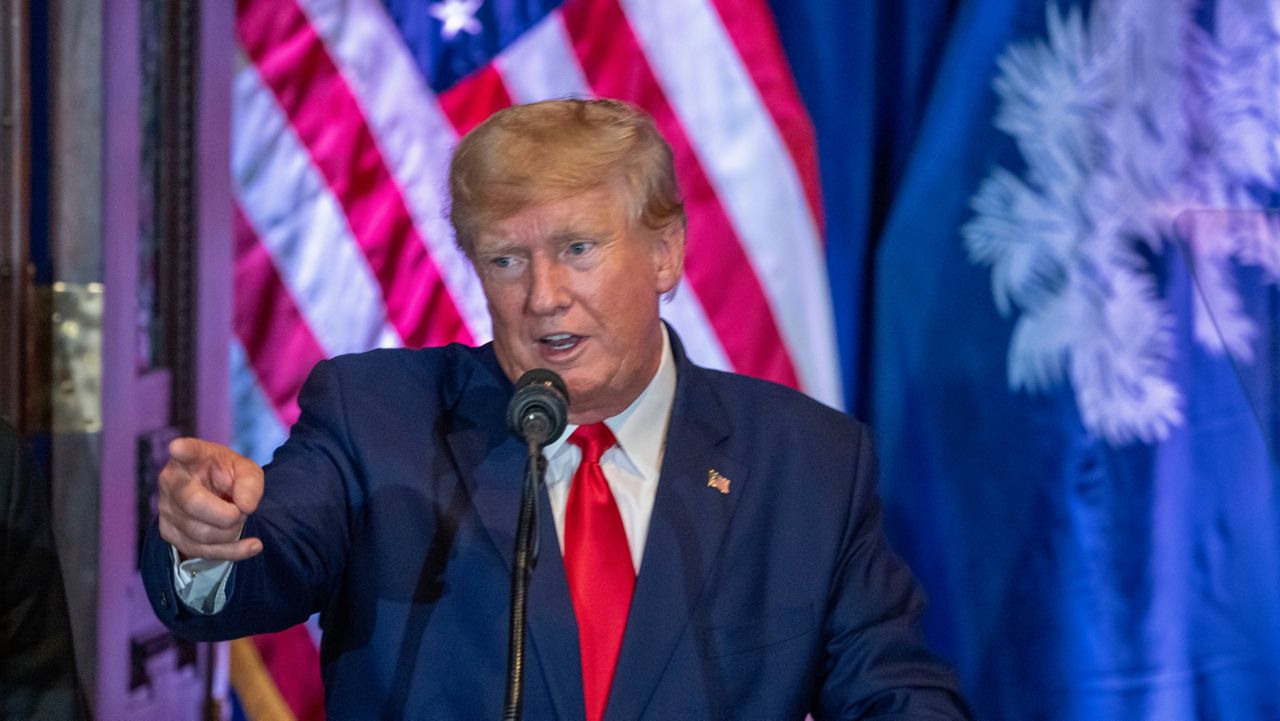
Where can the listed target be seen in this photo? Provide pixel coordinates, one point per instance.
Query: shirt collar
(634, 427)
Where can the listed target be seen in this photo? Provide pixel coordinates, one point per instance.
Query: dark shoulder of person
(37, 663)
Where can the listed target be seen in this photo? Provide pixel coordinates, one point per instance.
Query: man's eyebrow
(500, 247)
(580, 234)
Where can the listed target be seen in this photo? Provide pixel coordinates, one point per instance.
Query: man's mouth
(560, 341)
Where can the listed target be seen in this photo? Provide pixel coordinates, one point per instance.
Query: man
(37, 665)
(711, 565)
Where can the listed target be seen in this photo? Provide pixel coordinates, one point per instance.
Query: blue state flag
(1056, 281)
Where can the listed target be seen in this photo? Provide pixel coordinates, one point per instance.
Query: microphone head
(539, 409)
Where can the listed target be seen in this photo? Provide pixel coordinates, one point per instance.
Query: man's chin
(580, 389)
(586, 401)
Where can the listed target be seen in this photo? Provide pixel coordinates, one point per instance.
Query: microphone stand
(537, 412)
(525, 557)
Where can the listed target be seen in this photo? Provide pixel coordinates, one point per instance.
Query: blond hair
(555, 149)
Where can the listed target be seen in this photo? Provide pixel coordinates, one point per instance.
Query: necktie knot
(594, 439)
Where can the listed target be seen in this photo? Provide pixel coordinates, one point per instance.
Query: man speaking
(720, 548)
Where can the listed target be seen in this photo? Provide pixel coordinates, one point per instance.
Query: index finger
(188, 451)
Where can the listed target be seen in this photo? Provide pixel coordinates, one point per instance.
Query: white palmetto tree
(1137, 126)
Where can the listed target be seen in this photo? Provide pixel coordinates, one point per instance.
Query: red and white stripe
(750, 168)
(340, 164)
(414, 133)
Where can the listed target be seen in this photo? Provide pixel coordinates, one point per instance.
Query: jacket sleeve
(310, 491)
(877, 664)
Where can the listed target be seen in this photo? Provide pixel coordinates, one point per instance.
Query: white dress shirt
(631, 467)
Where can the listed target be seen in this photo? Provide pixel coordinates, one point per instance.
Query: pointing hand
(206, 492)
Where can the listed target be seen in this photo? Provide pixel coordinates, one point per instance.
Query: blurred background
(1033, 243)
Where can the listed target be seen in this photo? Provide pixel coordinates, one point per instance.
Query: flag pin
(717, 481)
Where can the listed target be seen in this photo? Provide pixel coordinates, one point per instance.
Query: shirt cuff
(201, 583)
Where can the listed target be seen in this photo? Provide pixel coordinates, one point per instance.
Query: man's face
(573, 285)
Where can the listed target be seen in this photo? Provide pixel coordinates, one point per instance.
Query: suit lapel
(492, 465)
(688, 524)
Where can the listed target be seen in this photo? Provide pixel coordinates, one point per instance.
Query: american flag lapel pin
(717, 481)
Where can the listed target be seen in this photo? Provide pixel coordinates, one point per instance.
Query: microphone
(538, 413)
(539, 410)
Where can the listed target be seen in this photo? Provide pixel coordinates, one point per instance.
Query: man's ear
(669, 256)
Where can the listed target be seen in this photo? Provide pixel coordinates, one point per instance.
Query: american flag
(346, 111)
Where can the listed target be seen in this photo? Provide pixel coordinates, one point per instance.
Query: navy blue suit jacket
(391, 510)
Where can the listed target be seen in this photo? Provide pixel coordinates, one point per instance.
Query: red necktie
(597, 561)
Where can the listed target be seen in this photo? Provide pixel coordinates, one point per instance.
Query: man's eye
(502, 261)
(579, 248)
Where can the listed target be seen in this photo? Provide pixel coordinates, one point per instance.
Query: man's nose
(548, 293)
